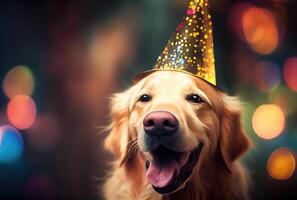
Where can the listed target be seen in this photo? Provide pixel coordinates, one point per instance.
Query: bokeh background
(61, 60)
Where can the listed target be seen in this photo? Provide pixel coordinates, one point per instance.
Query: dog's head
(173, 121)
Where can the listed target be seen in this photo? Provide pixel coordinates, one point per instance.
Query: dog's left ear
(233, 141)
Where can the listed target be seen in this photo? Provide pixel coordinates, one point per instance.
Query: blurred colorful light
(11, 144)
(266, 75)
(260, 30)
(19, 80)
(281, 164)
(268, 121)
(290, 73)
(21, 111)
(44, 134)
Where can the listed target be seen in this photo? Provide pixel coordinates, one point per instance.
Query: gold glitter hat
(190, 48)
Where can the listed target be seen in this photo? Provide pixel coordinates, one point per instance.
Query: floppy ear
(118, 136)
(233, 142)
(121, 140)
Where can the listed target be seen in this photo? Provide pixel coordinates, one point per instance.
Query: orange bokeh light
(21, 111)
(281, 164)
(18, 81)
(290, 73)
(268, 121)
(260, 30)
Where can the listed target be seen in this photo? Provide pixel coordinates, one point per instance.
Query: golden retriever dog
(175, 137)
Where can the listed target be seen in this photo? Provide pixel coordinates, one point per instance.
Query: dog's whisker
(131, 142)
(131, 151)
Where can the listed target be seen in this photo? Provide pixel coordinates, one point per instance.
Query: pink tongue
(160, 177)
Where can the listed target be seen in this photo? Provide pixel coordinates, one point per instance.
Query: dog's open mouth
(170, 170)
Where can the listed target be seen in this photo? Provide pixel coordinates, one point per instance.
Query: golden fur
(216, 123)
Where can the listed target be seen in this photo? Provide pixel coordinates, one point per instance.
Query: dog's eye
(194, 98)
(145, 98)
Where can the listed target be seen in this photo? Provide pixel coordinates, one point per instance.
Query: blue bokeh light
(11, 144)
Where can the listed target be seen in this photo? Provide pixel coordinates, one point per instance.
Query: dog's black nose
(160, 123)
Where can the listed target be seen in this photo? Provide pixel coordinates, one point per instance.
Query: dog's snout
(160, 123)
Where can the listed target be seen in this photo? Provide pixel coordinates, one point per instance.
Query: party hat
(190, 48)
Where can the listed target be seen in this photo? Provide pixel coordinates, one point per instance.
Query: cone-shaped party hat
(190, 48)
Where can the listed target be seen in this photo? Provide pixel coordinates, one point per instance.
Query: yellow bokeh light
(268, 121)
(281, 164)
(260, 30)
(18, 81)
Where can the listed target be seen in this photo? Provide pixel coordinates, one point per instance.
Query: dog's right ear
(119, 122)
(120, 136)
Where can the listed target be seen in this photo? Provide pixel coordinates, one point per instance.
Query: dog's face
(175, 120)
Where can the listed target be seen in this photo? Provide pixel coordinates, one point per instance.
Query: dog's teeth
(147, 164)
